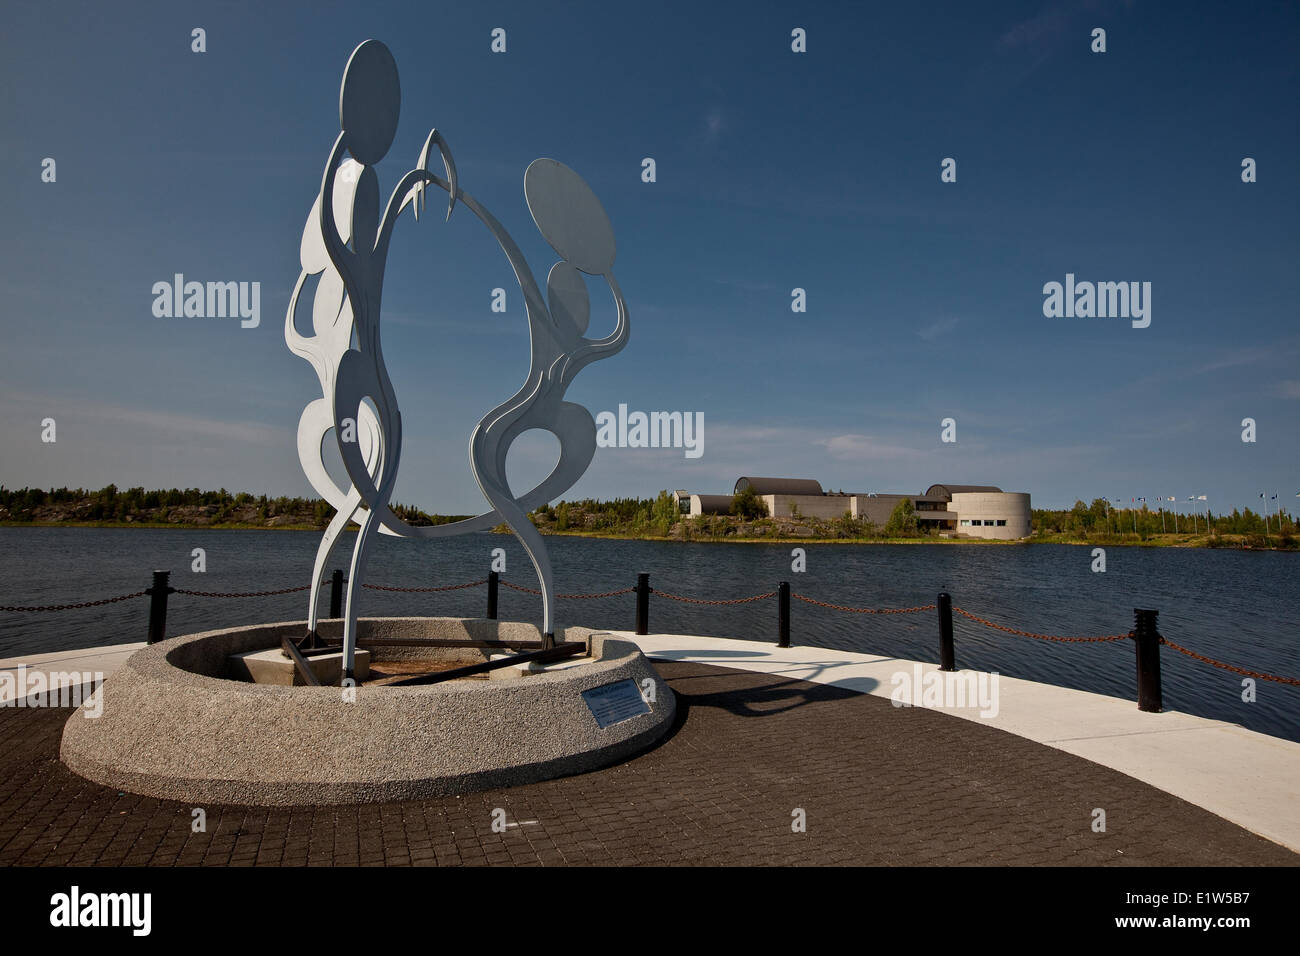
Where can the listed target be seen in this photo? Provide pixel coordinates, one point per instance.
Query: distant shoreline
(629, 519)
(1201, 541)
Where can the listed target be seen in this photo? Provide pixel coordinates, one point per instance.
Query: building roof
(713, 504)
(950, 490)
(779, 486)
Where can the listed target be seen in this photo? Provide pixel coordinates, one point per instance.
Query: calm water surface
(1238, 607)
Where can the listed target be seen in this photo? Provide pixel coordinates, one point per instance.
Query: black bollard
(643, 603)
(494, 580)
(336, 594)
(1150, 698)
(947, 656)
(158, 606)
(783, 614)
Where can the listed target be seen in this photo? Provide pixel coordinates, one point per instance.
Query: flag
(1274, 498)
(1171, 499)
(1200, 498)
(1143, 500)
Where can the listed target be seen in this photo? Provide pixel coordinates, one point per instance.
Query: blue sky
(775, 170)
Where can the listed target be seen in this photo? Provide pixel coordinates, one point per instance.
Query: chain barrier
(577, 597)
(1045, 637)
(1228, 667)
(445, 587)
(1106, 638)
(863, 610)
(70, 607)
(691, 600)
(240, 594)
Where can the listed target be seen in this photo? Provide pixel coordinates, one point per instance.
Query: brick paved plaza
(878, 785)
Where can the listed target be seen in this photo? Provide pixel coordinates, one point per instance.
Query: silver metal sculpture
(358, 402)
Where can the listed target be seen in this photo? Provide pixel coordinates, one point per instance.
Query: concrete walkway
(90, 661)
(1249, 778)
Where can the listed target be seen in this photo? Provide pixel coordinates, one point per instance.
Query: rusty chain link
(579, 597)
(240, 594)
(445, 587)
(863, 610)
(1228, 667)
(70, 607)
(1045, 637)
(691, 600)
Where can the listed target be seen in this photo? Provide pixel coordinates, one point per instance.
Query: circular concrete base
(174, 726)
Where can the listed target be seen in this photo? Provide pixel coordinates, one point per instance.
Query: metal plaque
(616, 702)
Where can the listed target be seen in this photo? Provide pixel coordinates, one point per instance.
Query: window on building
(965, 522)
(988, 522)
(1002, 523)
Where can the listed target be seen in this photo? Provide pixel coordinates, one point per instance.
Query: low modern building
(977, 511)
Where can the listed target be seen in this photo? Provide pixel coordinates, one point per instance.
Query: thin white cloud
(1045, 27)
(156, 426)
(746, 285)
(714, 124)
(936, 329)
(251, 433)
(865, 448)
(1238, 357)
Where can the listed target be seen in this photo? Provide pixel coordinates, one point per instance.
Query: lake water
(1237, 607)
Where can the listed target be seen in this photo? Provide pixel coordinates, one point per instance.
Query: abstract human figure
(332, 325)
(572, 220)
(369, 103)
